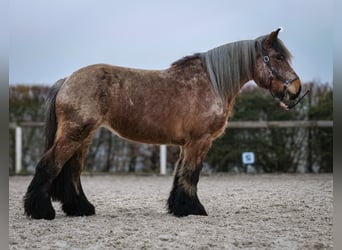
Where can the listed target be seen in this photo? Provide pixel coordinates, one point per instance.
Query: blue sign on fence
(248, 158)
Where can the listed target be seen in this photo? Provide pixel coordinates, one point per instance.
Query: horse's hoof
(185, 210)
(39, 207)
(47, 215)
(181, 204)
(80, 208)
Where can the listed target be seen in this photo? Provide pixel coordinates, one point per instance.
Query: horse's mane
(185, 60)
(227, 64)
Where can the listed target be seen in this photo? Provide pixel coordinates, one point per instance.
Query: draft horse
(187, 104)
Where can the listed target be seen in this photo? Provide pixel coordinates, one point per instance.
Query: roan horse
(187, 105)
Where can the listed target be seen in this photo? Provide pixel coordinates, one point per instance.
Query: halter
(286, 83)
(272, 72)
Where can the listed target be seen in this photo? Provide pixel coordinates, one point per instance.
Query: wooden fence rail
(279, 124)
(232, 124)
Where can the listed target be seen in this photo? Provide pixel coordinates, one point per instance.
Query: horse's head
(273, 70)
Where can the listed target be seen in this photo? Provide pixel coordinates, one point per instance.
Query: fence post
(18, 149)
(163, 159)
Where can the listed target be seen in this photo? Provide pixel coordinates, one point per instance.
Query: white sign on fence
(248, 158)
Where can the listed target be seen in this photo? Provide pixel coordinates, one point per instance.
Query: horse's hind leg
(37, 200)
(67, 187)
(183, 199)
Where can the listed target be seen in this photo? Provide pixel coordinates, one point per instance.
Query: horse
(187, 105)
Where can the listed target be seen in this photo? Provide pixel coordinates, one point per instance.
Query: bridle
(286, 83)
(272, 72)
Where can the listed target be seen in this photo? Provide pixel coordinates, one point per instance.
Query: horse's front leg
(183, 199)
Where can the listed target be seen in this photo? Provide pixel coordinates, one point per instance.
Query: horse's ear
(271, 39)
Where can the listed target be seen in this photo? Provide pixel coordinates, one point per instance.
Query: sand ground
(245, 212)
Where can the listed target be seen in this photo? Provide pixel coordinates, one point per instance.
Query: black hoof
(39, 206)
(181, 204)
(79, 208)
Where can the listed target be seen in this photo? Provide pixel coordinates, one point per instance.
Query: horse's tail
(50, 134)
(51, 120)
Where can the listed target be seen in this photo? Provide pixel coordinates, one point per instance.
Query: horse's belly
(144, 133)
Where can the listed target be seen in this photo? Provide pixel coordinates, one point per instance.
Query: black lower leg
(37, 200)
(67, 189)
(77, 204)
(183, 199)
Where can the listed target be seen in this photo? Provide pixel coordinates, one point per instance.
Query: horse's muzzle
(293, 90)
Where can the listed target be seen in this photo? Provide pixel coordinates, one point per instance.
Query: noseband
(272, 73)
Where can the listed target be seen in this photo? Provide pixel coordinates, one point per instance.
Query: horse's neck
(244, 80)
(230, 67)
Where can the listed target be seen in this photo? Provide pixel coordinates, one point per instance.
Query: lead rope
(287, 107)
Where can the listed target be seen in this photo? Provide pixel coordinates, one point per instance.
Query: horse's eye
(279, 57)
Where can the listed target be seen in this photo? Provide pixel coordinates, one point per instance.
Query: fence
(125, 148)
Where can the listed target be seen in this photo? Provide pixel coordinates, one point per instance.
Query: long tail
(50, 134)
(51, 120)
